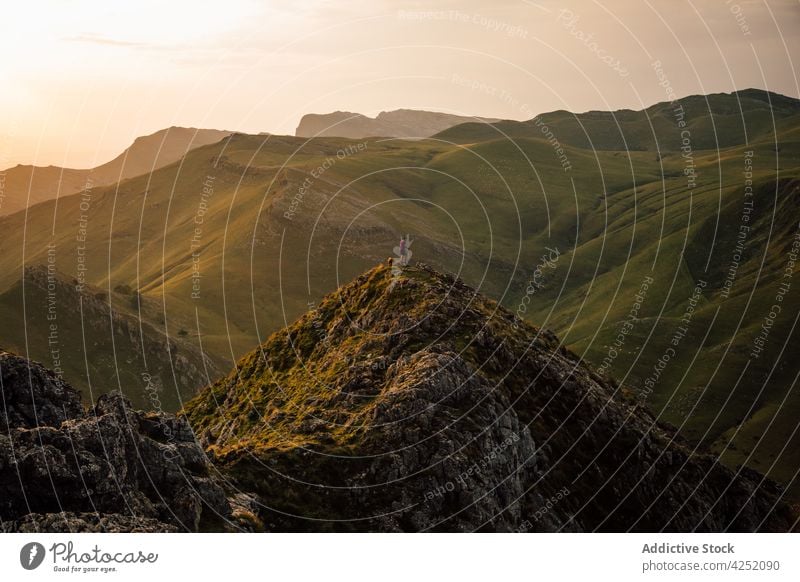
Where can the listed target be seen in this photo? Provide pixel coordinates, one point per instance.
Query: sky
(80, 79)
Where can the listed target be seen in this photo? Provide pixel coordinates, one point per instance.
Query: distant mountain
(398, 123)
(713, 121)
(27, 185)
(407, 401)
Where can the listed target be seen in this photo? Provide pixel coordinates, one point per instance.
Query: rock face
(110, 468)
(398, 123)
(407, 401)
(34, 396)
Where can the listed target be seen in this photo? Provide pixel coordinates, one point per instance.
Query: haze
(82, 79)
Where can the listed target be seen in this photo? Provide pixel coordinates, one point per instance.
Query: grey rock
(58, 460)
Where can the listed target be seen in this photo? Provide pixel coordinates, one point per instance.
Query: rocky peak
(407, 401)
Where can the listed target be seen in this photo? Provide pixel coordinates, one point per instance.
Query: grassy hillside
(94, 339)
(713, 121)
(238, 239)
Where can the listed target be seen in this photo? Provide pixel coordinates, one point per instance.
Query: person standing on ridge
(403, 250)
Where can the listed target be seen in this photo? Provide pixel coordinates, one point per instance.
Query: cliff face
(406, 401)
(398, 123)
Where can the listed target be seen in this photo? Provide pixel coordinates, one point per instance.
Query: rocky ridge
(408, 402)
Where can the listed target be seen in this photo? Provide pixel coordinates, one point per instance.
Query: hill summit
(407, 401)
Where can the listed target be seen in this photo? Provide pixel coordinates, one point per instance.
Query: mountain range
(621, 232)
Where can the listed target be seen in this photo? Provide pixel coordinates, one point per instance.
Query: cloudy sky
(82, 78)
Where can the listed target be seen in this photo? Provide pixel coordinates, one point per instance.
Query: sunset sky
(82, 78)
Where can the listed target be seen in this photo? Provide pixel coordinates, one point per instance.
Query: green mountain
(661, 268)
(712, 121)
(405, 401)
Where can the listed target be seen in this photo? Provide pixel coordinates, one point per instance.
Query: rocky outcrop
(110, 468)
(33, 396)
(409, 402)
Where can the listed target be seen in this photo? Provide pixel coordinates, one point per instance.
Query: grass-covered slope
(94, 339)
(714, 121)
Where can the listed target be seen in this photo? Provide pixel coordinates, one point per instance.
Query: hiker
(403, 252)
